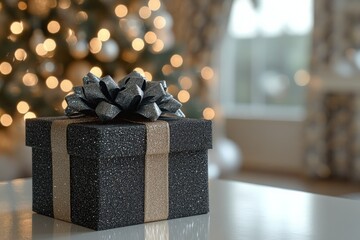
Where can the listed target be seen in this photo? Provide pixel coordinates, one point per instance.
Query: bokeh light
(207, 73)
(22, 5)
(6, 120)
(5, 68)
(53, 26)
(183, 96)
(302, 77)
(148, 76)
(29, 115)
(23, 107)
(66, 85)
(30, 79)
(95, 45)
(52, 82)
(20, 54)
(103, 34)
(49, 45)
(121, 10)
(64, 104)
(154, 5)
(159, 22)
(138, 44)
(209, 113)
(158, 46)
(185, 82)
(96, 71)
(145, 12)
(16, 27)
(150, 37)
(176, 60)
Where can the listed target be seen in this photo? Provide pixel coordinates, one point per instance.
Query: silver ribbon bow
(131, 95)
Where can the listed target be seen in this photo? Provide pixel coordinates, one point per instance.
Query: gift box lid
(120, 138)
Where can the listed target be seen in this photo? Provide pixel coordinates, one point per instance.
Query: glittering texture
(188, 184)
(85, 191)
(102, 140)
(108, 191)
(61, 168)
(156, 171)
(42, 179)
(133, 94)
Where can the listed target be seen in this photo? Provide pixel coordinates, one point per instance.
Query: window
(265, 56)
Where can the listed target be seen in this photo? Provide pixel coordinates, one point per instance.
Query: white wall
(270, 145)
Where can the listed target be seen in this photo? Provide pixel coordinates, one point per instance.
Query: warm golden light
(183, 96)
(95, 45)
(121, 10)
(129, 56)
(138, 44)
(22, 5)
(154, 5)
(52, 82)
(176, 60)
(6, 120)
(30, 79)
(103, 34)
(96, 71)
(64, 104)
(5, 68)
(167, 69)
(185, 82)
(66, 85)
(209, 113)
(140, 70)
(53, 26)
(172, 89)
(40, 50)
(64, 4)
(71, 38)
(158, 46)
(159, 22)
(29, 115)
(150, 37)
(16, 27)
(82, 16)
(144, 12)
(207, 73)
(148, 76)
(49, 45)
(23, 107)
(20, 54)
(302, 77)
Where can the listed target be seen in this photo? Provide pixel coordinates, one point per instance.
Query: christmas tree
(47, 46)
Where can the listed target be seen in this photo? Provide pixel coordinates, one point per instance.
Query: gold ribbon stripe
(61, 167)
(156, 206)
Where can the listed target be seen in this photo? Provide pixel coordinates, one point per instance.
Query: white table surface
(238, 211)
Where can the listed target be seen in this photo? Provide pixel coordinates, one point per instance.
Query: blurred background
(279, 78)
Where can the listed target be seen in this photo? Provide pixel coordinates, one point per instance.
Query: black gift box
(107, 170)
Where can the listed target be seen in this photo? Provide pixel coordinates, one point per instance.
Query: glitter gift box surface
(107, 170)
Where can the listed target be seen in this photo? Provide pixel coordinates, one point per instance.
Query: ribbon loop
(106, 111)
(150, 111)
(130, 97)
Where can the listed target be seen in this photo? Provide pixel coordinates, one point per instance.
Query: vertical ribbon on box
(156, 205)
(61, 167)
